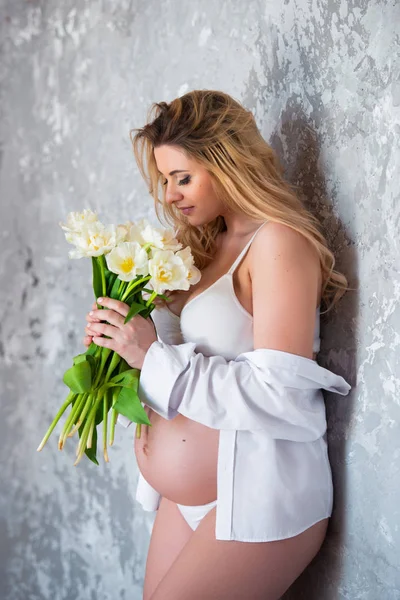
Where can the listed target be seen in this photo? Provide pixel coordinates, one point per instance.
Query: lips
(186, 210)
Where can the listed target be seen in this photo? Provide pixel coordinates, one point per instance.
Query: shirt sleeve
(263, 389)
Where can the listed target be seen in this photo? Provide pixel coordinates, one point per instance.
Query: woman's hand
(171, 294)
(130, 340)
(87, 340)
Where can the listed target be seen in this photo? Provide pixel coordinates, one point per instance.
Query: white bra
(215, 320)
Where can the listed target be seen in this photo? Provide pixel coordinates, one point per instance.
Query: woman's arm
(263, 389)
(275, 387)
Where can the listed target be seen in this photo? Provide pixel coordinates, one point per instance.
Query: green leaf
(110, 278)
(92, 349)
(79, 377)
(93, 361)
(97, 284)
(79, 358)
(115, 288)
(149, 310)
(123, 366)
(99, 411)
(128, 404)
(128, 378)
(135, 309)
(131, 297)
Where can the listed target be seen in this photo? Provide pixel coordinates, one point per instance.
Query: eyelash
(184, 181)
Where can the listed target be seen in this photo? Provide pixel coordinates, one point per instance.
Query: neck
(238, 226)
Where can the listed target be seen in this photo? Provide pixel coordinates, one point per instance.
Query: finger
(110, 316)
(89, 317)
(87, 340)
(105, 342)
(92, 318)
(120, 307)
(104, 329)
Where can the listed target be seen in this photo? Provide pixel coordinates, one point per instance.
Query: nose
(172, 195)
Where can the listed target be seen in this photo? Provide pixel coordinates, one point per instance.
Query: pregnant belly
(179, 458)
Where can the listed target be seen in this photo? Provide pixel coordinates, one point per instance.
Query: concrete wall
(323, 81)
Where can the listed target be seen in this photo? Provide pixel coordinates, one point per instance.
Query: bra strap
(243, 252)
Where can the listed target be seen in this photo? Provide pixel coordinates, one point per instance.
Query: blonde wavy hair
(217, 131)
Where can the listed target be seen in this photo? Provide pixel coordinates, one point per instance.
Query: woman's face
(190, 188)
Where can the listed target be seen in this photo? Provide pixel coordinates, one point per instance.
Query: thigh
(232, 570)
(169, 535)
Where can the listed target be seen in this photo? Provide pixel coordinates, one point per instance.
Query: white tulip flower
(135, 231)
(77, 220)
(168, 272)
(94, 239)
(128, 260)
(158, 238)
(193, 273)
(123, 230)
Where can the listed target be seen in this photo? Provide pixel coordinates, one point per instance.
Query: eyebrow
(176, 171)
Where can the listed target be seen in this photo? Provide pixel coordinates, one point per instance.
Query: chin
(197, 222)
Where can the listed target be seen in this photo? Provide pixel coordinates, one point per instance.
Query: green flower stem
(82, 444)
(115, 360)
(75, 410)
(138, 430)
(91, 430)
(114, 417)
(63, 408)
(88, 403)
(104, 354)
(102, 265)
(92, 419)
(75, 413)
(87, 430)
(86, 407)
(101, 395)
(93, 401)
(131, 286)
(105, 416)
(122, 287)
(150, 300)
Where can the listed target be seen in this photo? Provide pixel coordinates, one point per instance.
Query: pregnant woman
(235, 462)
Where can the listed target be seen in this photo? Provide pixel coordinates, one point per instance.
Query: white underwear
(194, 514)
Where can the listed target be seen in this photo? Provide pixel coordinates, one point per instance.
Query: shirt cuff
(161, 368)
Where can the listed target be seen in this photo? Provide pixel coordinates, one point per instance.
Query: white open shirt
(274, 478)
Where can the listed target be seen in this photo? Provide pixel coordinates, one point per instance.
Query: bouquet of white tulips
(134, 263)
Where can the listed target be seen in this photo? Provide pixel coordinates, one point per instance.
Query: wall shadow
(298, 146)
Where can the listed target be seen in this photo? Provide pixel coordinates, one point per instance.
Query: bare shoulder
(280, 244)
(282, 238)
(286, 283)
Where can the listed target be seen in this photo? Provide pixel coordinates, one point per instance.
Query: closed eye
(184, 181)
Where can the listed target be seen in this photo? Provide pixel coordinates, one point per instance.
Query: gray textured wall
(322, 78)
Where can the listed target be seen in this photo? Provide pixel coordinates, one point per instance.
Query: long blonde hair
(217, 131)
